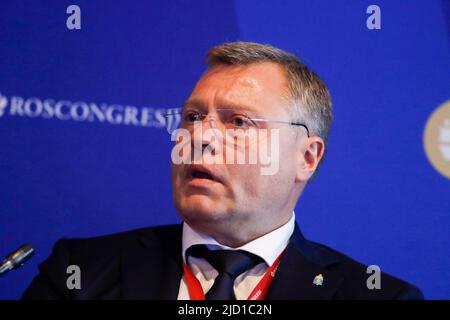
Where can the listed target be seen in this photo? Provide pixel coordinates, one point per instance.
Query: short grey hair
(309, 97)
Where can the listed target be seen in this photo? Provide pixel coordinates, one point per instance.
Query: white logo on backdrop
(3, 104)
(444, 139)
(66, 110)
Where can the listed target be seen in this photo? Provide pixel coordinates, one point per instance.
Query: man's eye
(240, 121)
(192, 117)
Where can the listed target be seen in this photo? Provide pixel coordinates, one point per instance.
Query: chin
(201, 209)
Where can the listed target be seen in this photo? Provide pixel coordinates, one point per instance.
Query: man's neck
(267, 245)
(237, 236)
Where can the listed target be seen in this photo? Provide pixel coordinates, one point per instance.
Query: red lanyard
(258, 293)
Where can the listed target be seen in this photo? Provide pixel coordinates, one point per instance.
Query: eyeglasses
(230, 118)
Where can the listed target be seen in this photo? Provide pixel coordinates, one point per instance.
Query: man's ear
(311, 152)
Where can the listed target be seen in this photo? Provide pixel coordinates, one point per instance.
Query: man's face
(239, 195)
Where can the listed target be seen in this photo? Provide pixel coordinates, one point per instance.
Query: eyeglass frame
(204, 116)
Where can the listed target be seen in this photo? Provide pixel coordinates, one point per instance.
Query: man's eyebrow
(194, 103)
(221, 105)
(239, 106)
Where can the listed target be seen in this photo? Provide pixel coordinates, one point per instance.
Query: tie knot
(232, 262)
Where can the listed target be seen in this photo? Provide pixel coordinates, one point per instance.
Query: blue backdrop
(83, 151)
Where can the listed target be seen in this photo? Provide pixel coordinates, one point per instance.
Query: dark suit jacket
(147, 264)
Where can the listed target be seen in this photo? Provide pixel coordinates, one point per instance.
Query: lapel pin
(318, 280)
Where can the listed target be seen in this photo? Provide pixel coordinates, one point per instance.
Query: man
(239, 239)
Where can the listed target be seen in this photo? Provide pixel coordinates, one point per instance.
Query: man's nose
(209, 123)
(206, 132)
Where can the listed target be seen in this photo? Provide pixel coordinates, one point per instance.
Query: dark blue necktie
(229, 263)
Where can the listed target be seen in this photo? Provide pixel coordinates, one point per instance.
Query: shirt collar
(268, 246)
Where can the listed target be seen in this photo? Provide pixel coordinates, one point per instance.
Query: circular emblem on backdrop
(436, 139)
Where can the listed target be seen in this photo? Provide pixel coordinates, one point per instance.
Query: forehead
(259, 86)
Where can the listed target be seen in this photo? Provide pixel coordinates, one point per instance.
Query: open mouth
(198, 172)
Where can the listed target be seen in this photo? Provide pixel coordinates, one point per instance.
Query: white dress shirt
(268, 247)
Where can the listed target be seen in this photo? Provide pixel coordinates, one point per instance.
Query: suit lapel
(301, 264)
(153, 270)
